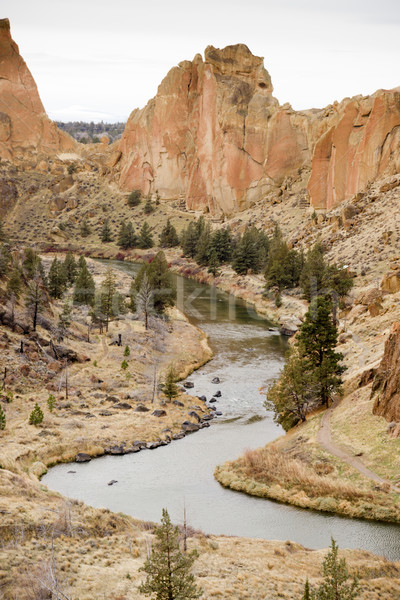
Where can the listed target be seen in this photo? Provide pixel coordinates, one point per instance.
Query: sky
(100, 59)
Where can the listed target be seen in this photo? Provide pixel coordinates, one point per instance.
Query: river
(248, 354)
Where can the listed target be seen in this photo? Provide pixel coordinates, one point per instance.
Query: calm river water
(247, 355)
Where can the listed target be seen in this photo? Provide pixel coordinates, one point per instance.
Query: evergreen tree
(336, 584)
(307, 592)
(2, 419)
(127, 351)
(56, 279)
(110, 306)
(213, 263)
(167, 568)
(148, 207)
(85, 228)
(132, 296)
(169, 387)
(65, 319)
(169, 238)
(189, 240)
(5, 260)
(316, 342)
(35, 298)
(14, 284)
(36, 416)
(145, 236)
(70, 268)
(284, 266)
(51, 402)
(145, 298)
(161, 282)
(32, 264)
(106, 234)
(203, 247)
(81, 262)
(2, 233)
(126, 236)
(134, 198)
(124, 365)
(221, 242)
(292, 395)
(313, 276)
(84, 289)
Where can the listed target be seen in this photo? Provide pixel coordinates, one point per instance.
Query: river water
(247, 356)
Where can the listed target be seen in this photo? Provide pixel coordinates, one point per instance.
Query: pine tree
(161, 282)
(2, 419)
(127, 351)
(56, 279)
(124, 365)
(132, 296)
(292, 395)
(148, 207)
(35, 298)
(32, 264)
(169, 387)
(14, 284)
(316, 342)
(313, 276)
(189, 240)
(145, 237)
(84, 289)
(36, 416)
(5, 260)
(107, 292)
(106, 235)
(85, 228)
(81, 262)
(306, 595)
(70, 268)
(336, 585)
(213, 263)
(251, 252)
(167, 568)
(221, 242)
(51, 402)
(169, 238)
(203, 247)
(65, 319)
(134, 198)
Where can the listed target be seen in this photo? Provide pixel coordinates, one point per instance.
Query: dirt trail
(324, 438)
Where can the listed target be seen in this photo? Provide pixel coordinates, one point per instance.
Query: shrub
(51, 402)
(134, 198)
(36, 416)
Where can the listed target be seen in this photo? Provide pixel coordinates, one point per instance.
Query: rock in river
(82, 457)
(216, 380)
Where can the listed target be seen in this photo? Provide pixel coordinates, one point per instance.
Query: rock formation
(27, 135)
(386, 385)
(215, 137)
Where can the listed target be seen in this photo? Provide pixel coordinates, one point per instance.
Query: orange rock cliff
(216, 137)
(25, 129)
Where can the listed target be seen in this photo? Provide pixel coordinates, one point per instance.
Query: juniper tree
(126, 236)
(36, 416)
(145, 237)
(2, 419)
(291, 396)
(213, 263)
(107, 296)
(161, 282)
(221, 242)
(35, 298)
(189, 240)
(85, 228)
(336, 584)
(134, 198)
(84, 289)
(168, 237)
(203, 247)
(169, 387)
(106, 234)
(56, 279)
(167, 568)
(316, 342)
(70, 268)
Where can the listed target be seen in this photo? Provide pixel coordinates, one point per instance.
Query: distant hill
(92, 132)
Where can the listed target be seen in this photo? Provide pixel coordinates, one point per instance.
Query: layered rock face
(25, 129)
(386, 385)
(216, 137)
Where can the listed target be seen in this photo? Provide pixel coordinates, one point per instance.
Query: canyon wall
(215, 136)
(386, 385)
(27, 135)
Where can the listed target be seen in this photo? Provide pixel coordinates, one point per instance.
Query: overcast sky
(100, 59)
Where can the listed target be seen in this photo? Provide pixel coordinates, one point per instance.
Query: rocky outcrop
(215, 138)
(386, 384)
(26, 132)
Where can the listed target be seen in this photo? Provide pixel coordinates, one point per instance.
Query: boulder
(188, 384)
(82, 457)
(216, 380)
(159, 413)
(195, 416)
(391, 282)
(189, 427)
(218, 394)
(386, 383)
(141, 408)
